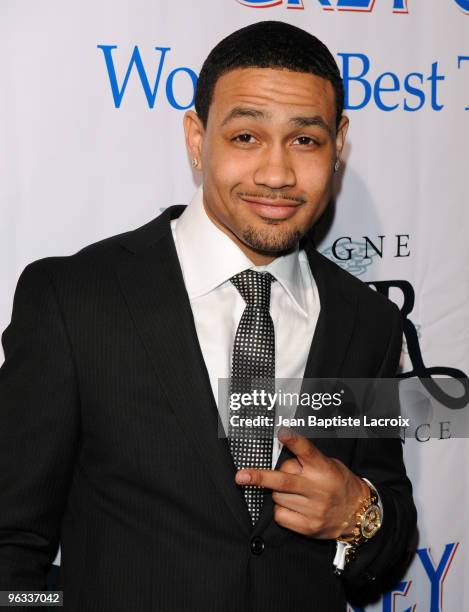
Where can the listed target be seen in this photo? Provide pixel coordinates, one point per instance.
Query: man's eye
(305, 140)
(244, 138)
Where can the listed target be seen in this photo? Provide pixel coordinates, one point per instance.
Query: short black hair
(267, 44)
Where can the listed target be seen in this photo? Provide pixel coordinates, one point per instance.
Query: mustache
(272, 195)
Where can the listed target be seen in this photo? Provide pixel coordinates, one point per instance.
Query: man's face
(267, 156)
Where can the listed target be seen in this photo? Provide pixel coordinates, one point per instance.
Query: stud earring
(195, 162)
(337, 165)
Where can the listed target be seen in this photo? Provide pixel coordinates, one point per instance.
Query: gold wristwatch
(368, 519)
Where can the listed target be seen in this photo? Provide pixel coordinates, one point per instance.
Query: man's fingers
(292, 520)
(303, 448)
(292, 501)
(291, 466)
(271, 479)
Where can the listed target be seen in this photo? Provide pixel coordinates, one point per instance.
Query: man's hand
(314, 495)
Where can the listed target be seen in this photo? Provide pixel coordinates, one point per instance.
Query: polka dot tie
(253, 369)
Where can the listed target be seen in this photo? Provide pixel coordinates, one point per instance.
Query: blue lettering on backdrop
(388, 90)
(346, 57)
(436, 576)
(463, 4)
(298, 4)
(149, 91)
(368, 5)
(292, 4)
(378, 89)
(399, 6)
(361, 5)
(389, 598)
(137, 61)
(434, 78)
(385, 85)
(260, 3)
(414, 91)
(461, 59)
(169, 88)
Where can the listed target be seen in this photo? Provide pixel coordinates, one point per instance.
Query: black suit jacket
(109, 446)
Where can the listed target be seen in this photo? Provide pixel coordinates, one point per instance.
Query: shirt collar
(209, 257)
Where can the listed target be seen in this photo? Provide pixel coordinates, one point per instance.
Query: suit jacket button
(257, 545)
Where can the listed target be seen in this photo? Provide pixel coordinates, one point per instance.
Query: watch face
(371, 522)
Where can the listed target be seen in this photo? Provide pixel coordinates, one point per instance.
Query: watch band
(368, 520)
(380, 503)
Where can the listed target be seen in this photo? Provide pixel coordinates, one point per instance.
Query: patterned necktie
(253, 369)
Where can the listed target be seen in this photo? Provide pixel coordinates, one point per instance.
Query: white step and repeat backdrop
(91, 144)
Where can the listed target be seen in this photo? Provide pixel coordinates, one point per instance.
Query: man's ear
(341, 134)
(194, 133)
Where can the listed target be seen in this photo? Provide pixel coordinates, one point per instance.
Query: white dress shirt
(209, 258)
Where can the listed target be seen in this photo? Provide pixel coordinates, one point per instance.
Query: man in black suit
(108, 405)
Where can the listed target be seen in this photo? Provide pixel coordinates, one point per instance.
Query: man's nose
(275, 169)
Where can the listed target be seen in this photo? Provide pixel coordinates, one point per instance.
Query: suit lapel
(330, 342)
(336, 319)
(153, 286)
(152, 283)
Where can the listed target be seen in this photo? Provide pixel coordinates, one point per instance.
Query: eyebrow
(315, 120)
(244, 111)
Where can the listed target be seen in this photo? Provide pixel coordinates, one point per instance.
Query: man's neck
(258, 258)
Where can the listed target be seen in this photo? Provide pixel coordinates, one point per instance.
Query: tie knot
(254, 287)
